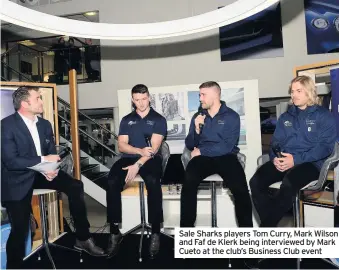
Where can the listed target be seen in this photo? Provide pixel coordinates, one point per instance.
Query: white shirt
(31, 125)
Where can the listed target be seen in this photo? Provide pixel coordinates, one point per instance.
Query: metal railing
(65, 103)
(92, 146)
(10, 74)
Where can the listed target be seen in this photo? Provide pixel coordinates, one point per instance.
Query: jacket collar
(21, 122)
(223, 109)
(134, 113)
(22, 126)
(293, 110)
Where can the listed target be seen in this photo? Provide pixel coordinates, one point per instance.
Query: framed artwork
(49, 96)
(258, 36)
(322, 26)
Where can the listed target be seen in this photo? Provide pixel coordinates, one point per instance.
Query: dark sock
(156, 228)
(114, 228)
(82, 235)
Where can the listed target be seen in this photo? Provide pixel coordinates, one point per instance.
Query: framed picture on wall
(48, 94)
(258, 36)
(322, 26)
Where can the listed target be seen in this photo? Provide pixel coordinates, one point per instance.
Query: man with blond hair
(305, 137)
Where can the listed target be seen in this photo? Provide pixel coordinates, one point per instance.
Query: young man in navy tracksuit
(306, 134)
(214, 150)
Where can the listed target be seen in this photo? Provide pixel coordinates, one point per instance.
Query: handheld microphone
(65, 152)
(277, 151)
(200, 111)
(148, 142)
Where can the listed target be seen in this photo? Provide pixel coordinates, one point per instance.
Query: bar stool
(41, 193)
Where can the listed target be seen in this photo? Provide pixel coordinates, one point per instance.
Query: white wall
(191, 60)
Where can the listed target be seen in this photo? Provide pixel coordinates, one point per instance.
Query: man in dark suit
(27, 140)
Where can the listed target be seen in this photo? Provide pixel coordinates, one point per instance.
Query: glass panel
(29, 63)
(8, 74)
(96, 139)
(61, 58)
(51, 58)
(91, 145)
(91, 60)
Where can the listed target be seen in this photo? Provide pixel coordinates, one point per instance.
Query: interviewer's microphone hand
(146, 152)
(52, 158)
(199, 120)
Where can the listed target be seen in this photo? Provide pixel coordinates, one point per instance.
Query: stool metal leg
(143, 226)
(214, 205)
(44, 228)
(45, 242)
(296, 210)
(214, 211)
(140, 243)
(143, 223)
(142, 202)
(296, 213)
(143, 217)
(296, 216)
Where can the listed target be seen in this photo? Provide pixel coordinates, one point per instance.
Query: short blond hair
(309, 85)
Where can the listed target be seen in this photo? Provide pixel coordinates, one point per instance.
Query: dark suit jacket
(18, 152)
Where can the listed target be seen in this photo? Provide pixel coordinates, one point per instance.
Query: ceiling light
(50, 53)
(27, 42)
(92, 13)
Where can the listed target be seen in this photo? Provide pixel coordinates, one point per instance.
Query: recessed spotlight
(27, 42)
(92, 13)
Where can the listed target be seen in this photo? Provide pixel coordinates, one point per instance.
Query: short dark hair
(139, 89)
(22, 94)
(210, 84)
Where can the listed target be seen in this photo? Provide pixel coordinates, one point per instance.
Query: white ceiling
(207, 21)
(78, 17)
(33, 3)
